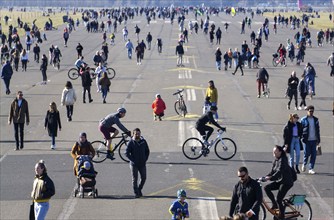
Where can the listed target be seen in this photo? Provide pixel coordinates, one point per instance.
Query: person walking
(68, 98)
(36, 51)
(158, 107)
(292, 133)
(42, 191)
(302, 87)
(180, 208)
(129, 47)
(293, 89)
(247, 196)
(179, 51)
(104, 82)
(81, 147)
(24, 60)
(6, 75)
(138, 152)
(310, 138)
(239, 64)
(66, 36)
(149, 39)
(86, 81)
(43, 68)
(310, 74)
(212, 93)
(79, 50)
(218, 55)
(330, 62)
(262, 78)
(52, 123)
(19, 114)
(138, 51)
(159, 43)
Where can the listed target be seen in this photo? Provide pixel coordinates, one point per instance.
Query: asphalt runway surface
(255, 124)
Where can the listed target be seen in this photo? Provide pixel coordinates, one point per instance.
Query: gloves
(128, 133)
(223, 129)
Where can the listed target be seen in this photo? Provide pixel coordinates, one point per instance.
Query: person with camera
(179, 208)
(247, 196)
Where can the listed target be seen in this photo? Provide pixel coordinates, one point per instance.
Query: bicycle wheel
(111, 73)
(73, 74)
(192, 148)
(262, 213)
(100, 151)
(121, 152)
(177, 107)
(225, 148)
(92, 73)
(305, 211)
(275, 59)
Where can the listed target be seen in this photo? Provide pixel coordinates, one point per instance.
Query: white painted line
(185, 49)
(195, 65)
(181, 75)
(181, 138)
(135, 22)
(188, 94)
(188, 74)
(68, 208)
(3, 157)
(207, 208)
(186, 60)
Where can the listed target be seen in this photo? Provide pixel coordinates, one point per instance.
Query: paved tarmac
(254, 124)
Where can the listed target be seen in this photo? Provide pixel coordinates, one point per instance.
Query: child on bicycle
(179, 208)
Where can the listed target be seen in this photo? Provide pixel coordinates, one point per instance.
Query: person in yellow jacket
(212, 92)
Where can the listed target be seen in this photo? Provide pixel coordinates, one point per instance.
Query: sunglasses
(242, 176)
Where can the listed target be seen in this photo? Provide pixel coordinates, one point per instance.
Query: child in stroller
(86, 177)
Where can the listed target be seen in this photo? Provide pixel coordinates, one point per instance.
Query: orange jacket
(158, 106)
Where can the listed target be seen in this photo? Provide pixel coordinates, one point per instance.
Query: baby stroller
(86, 177)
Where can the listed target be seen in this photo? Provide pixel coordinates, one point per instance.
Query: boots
(297, 169)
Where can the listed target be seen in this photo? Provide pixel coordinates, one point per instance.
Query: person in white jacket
(68, 99)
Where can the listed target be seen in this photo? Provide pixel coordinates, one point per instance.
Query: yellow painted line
(184, 87)
(179, 118)
(166, 189)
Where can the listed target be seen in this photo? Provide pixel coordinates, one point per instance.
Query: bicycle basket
(298, 199)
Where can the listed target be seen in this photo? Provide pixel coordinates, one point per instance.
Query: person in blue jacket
(179, 208)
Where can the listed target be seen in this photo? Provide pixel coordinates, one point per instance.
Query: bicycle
(180, 105)
(74, 73)
(225, 148)
(101, 153)
(278, 60)
(295, 206)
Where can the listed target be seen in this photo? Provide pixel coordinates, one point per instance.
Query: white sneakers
(311, 172)
(53, 147)
(303, 168)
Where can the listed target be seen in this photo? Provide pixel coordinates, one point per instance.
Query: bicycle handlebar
(178, 91)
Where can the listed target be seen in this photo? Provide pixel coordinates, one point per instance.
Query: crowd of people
(247, 194)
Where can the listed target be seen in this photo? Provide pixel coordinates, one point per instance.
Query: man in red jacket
(158, 107)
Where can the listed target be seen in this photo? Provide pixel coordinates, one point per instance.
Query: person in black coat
(138, 152)
(44, 67)
(247, 196)
(86, 83)
(281, 176)
(293, 82)
(6, 75)
(36, 51)
(218, 55)
(239, 65)
(52, 122)
(292, 134)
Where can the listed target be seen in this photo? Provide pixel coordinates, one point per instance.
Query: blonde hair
(291, 116)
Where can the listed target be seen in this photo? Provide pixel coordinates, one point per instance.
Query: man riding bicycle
(80, 63)
(106, 127)
(205, 130)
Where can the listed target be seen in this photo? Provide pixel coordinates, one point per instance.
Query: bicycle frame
(219, 137)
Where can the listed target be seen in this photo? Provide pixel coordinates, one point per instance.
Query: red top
(158, 106)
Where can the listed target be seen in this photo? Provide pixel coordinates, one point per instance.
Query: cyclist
(202, 128)
(106, 127)
(179, 208)
(80, 63)
(282, 179)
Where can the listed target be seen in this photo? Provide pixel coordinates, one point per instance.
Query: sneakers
(258, 96)
(53, 147)
(311, 171)
(303, 168)
(110, 155)
(297, 170)
(299, 108)
(288, 107)
(296, 108)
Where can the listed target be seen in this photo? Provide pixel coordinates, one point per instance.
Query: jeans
(142, 172)
(36, 57)
(104, 93)
(219, 65)
(24, 64)
(179, 59)
(53, 139)
(310, 149)
(294, 146)
(16, 132)
(86, 88)
(129, 54)
(7, 81)
(282, 190)
(41, 209)
(260, 83)
(69, 110)
(215, 104)
(45, 78)
(310, 81)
